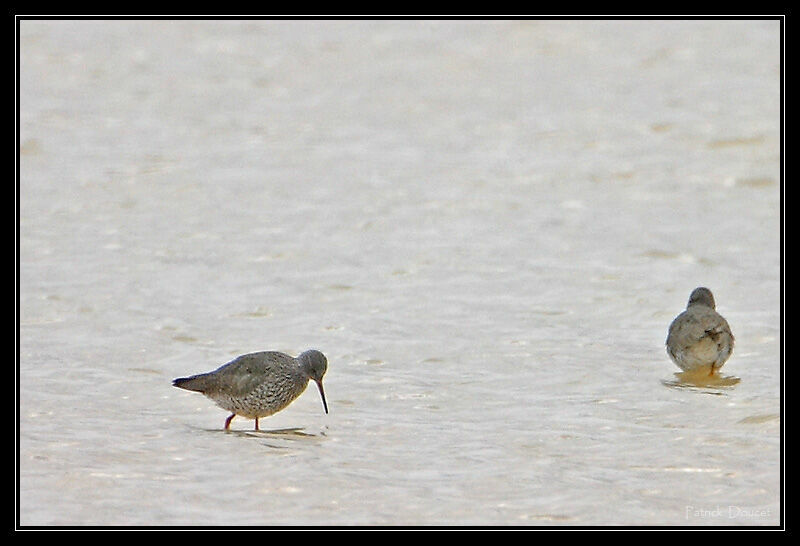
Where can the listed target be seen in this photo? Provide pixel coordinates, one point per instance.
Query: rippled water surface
(486, 227)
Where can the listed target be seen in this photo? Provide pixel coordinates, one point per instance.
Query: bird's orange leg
(228, 421)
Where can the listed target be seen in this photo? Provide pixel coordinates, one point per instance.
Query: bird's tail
(197, 383)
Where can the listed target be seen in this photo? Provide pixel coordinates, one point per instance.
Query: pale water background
(486, 226)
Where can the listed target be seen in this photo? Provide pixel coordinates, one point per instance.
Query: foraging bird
(259, 384)
(699, 336)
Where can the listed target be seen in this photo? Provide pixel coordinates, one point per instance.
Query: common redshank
(699, 337)
(259, 384)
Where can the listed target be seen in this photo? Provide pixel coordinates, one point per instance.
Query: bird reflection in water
(701, 379)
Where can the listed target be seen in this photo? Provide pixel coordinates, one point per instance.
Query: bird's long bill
(322, 394)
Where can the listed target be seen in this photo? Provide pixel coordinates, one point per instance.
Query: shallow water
(486, 227)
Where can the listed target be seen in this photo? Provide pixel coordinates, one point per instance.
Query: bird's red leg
(256, 423)
(228, 421)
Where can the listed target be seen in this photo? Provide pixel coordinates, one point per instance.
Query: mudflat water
(487, 227)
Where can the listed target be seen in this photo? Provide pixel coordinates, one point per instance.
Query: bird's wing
(243, 374)
(692, 326)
